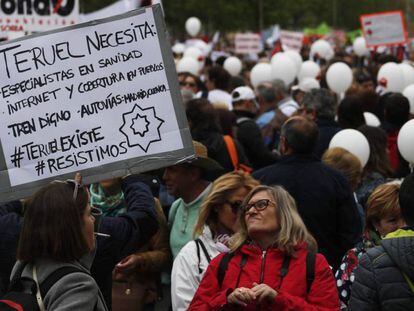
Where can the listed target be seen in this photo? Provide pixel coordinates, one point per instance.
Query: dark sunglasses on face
(188, 84)
(259, 205)
(235, 206)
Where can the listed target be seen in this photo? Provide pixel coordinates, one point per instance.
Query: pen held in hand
(102, 235)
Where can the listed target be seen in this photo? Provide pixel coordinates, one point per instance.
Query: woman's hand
(264, 293)
(241, 296)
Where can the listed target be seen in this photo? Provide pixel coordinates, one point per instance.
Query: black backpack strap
(222, 269)
(55, 276)
(310, 269)
(198, 256)
(203, 247)
(285, 266)
(243, 262)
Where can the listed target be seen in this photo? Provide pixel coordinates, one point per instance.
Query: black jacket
(327, 130)
(217, 150)
(250, 137)
(128, 232)
(379, 282)
(10, 224)
(324, 200)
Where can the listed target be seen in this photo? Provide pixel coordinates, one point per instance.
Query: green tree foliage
(232, 15)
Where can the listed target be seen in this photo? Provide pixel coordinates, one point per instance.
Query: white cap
(307, 84)
(242, 93)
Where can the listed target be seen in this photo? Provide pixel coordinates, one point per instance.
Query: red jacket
(292, 293)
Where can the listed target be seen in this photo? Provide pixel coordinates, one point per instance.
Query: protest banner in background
(386, 28)
(248, 43)
(291, 40)
(35, 16)
(101, 98)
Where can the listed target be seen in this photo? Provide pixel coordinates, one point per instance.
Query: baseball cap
(243, 93)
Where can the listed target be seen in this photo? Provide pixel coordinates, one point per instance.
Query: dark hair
(350, 113)
(407, 199)
(220, 77)
(396, 109)
(202, 117)
(301, 134)
(235, 82)
(53, 225)
(227, 120)
(378, 159)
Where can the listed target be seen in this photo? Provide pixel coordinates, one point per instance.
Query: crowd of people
(266, 216)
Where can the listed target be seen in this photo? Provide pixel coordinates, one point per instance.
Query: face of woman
(227, 213)
(88, 227)
(190, 84)
(388, 224)
(261, 223)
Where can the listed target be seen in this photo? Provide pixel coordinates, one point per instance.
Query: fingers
(78, 178)
(241, 296)
(263, 292)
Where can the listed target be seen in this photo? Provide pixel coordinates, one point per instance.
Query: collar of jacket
(400, 233)
(252, 248)
(324, 122)
(298, 158)
(243, 113)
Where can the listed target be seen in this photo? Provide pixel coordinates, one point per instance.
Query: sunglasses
(235, 206)
(188, 84)
(259, 205)
(76, 186)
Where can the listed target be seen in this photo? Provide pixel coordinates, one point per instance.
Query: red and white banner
(36, 15)
(291, 40)
(386, 28)
(248, 43)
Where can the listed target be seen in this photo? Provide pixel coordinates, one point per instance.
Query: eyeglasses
(259, 205)
(235, 206)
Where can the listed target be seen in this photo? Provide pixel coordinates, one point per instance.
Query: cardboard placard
(248, 43)
(101, 98)
(386, 28)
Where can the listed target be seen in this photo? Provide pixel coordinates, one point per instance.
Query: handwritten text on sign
(85, 97)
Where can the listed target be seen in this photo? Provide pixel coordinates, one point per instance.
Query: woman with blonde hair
(217, 221)
(272, 264)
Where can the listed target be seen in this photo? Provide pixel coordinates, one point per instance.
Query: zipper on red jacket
(262, 267)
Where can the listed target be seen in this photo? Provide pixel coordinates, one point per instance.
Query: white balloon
(284, 68)
(296, 57)
(360, 47)
(261, 72)
(193, 26)
(339, 77)
(371, 119)
(193, 52)
(188, 64)
(309, 69)
(322, 48)
(405, 141)
(409, 93)
(353, 141)
(408, 73)
(233, 65)
(178, 48)
(276, 57)
(391, 77)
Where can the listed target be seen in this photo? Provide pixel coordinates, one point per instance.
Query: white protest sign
(93, 95)
(37, 15)
(248, 43)
(387, 28)
(291, 40)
